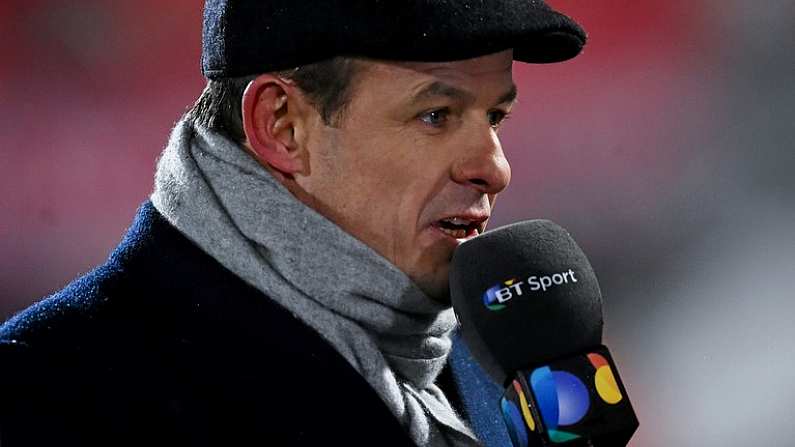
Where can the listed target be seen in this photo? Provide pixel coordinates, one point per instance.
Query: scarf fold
(396, 337)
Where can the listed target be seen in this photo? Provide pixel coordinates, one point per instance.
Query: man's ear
(269, 121)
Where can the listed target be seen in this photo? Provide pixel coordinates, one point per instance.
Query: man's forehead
(437, 89)
(456, 79)
(500, 63)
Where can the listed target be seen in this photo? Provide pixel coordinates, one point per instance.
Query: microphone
(530, 311)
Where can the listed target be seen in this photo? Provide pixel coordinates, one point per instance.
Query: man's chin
(431, 274)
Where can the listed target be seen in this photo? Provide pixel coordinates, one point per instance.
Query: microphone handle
(573, 401)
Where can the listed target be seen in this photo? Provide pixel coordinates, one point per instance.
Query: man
(287, 283)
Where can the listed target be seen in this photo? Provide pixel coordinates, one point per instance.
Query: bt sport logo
(496, 297)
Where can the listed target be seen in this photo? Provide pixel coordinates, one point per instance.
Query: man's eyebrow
(438, 88)
(509, 96)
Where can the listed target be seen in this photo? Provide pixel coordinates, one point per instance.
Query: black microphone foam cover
(525, 294)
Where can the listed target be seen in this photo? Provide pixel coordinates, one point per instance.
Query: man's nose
(483, 164)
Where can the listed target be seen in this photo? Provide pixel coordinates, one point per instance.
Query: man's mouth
(461, 227)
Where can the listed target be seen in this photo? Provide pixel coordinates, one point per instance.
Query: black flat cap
(244, 37)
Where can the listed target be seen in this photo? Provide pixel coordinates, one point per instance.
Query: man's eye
(435, 118)
(496, 117)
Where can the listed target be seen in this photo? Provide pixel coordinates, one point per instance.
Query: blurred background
(666, 149)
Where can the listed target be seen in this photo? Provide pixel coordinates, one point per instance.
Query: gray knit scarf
(397, 338)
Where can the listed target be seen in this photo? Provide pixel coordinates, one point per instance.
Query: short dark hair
(327, 84)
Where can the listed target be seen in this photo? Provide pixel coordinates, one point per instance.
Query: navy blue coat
(162, 345)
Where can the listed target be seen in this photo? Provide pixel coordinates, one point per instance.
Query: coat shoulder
(163, 337)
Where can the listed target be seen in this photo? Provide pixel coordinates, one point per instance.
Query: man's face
(415, 163)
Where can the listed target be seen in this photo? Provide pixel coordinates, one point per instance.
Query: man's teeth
(458, 234)
(458, 227)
